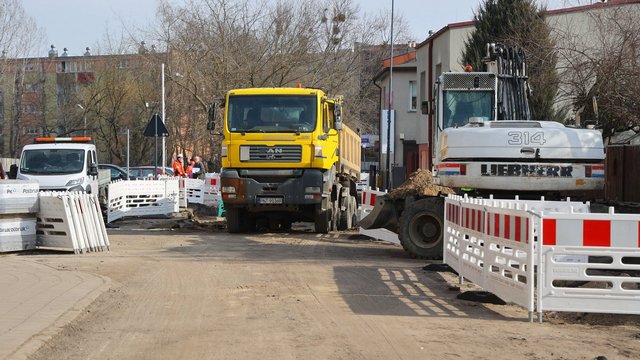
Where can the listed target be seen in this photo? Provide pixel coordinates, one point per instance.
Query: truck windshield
(460, 105)
(52, 161)
(271, 113)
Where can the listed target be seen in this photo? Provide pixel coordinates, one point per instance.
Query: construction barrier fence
(71, 221)
(585, 262)
(590, 263)
(18, 208)
(142, 198)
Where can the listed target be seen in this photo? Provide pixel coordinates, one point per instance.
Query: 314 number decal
(526, 138)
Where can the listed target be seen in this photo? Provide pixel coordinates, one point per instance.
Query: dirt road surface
(206, 294)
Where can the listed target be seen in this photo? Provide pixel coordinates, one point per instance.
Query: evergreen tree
(519, 23)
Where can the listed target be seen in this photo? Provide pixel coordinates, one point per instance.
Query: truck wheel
(335, 218)
(234, 221)
(346, 217)
(322, 221)
(354, 214)
(422, 228)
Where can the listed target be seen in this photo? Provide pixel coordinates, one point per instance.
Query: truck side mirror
(211, 123)
(425, 107)
(13, 171)
(337, 115)
(93, 170)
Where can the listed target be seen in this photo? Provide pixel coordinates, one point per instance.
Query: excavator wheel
(422, 228)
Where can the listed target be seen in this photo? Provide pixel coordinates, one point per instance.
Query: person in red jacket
(189, 167)
(178, 169)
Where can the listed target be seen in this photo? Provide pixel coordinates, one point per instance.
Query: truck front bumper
(271, 189)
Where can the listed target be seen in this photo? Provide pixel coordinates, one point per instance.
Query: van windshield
(52, 161)
(272, 113)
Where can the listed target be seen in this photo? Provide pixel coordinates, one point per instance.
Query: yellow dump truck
(287, 157)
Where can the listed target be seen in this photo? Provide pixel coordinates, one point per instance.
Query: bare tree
(19, 36)
(218, 45)
(599, 59)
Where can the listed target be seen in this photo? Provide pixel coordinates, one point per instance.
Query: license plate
(269, 200)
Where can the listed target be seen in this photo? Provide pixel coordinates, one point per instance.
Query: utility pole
(164, 121)
(388, 159)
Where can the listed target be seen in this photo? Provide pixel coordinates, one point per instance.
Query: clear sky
(76, 24)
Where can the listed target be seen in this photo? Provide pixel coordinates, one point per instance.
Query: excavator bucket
(384, 215)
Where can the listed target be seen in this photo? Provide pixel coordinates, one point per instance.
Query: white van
(63, 164)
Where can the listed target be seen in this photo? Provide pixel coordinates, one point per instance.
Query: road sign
(156, 127)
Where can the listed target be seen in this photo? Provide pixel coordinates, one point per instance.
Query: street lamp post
(388, 159)
(164, 121)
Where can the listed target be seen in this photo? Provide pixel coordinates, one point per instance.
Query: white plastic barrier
(17, 233)
(492, 246)
(182, 194)
(368, 202)
(71, 221)
(197, 191)
(194, 190)
(588, 261)
(18, 207)
(18, 197)
(142, 198)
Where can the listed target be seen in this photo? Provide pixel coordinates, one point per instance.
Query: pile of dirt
(420, 183)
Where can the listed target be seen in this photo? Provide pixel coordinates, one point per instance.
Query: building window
(29, 67)
(32, 131)
(67, 67)
(30, 109)
(413, 96)
(30, 88)
(123, 64)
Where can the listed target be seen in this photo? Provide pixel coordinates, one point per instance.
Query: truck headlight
(228, 189)
(74, 182)
(223, 151)
(318, 152)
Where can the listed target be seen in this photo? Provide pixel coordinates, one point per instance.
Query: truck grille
(278, 153)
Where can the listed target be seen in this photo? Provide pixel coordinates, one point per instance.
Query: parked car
(116, 172)
(146, 172)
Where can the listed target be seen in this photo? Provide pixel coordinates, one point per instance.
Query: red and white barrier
(590, 263)
(71, 221)
(368, 202)
(212, 195)
(492, 247)
(586, 262)
(196, 191)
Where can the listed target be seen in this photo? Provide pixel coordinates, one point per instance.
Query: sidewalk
(36, 300)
